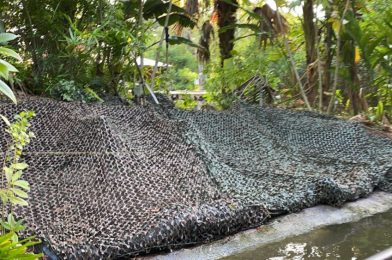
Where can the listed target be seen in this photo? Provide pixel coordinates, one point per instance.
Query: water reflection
(356, 240)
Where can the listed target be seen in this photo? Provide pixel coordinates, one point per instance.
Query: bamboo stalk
(141, 66)
(290, 54)
(336, 75)
(301, 87)
(160, 45)
(140, 23)
(319, 71)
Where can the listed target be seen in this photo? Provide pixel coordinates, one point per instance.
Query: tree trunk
(226, 17)
(327, 56)
(311, 52)
(201, 76)
(331, 105)
(357, 101)
(31, 43)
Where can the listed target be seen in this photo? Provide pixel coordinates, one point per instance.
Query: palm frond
(271, 21)
(192, 9)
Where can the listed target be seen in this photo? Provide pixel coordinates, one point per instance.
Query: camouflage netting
(117, 181)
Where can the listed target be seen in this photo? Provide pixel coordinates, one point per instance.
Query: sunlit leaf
(4, 72)
(357, 55)
(20, 193)
(9, 66)
(19, 201)
(8, 173)
(336, 25)
(10, 53)
(6, 121)
(7, 91)
(23, 184)
(6, 37)
(20, 166)
(16, 176)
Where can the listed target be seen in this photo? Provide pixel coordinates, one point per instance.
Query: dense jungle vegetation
(329, 56)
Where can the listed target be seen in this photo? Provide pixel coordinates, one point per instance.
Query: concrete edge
(286, 226)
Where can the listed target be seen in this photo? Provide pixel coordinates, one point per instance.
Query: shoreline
(283, 227)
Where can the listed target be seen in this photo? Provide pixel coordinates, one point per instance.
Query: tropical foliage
(11, 249)
(6, 68)
(329, 56)
(13, 191)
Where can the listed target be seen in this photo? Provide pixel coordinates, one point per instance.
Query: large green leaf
(20, 193)
(153, 8)
(9, 66)
(175, 40)
(182, 19)
(156, 8)
(6, 37)
(7, 91)
(6, 121)
(18, 201)
(23, 184)
(4, 73)
(10, 53)
(20, 166)
(11, 249)
(5, 239)
(131, 7)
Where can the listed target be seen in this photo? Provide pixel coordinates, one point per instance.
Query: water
(356, 240)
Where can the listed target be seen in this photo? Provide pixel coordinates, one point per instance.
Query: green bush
(12, 250)
(187, 102)
(69, 90)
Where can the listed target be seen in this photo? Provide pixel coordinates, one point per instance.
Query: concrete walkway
(285, 226)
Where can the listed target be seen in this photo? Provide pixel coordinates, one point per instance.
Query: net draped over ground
(117, 181)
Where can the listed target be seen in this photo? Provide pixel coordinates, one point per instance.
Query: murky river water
(356, 240)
